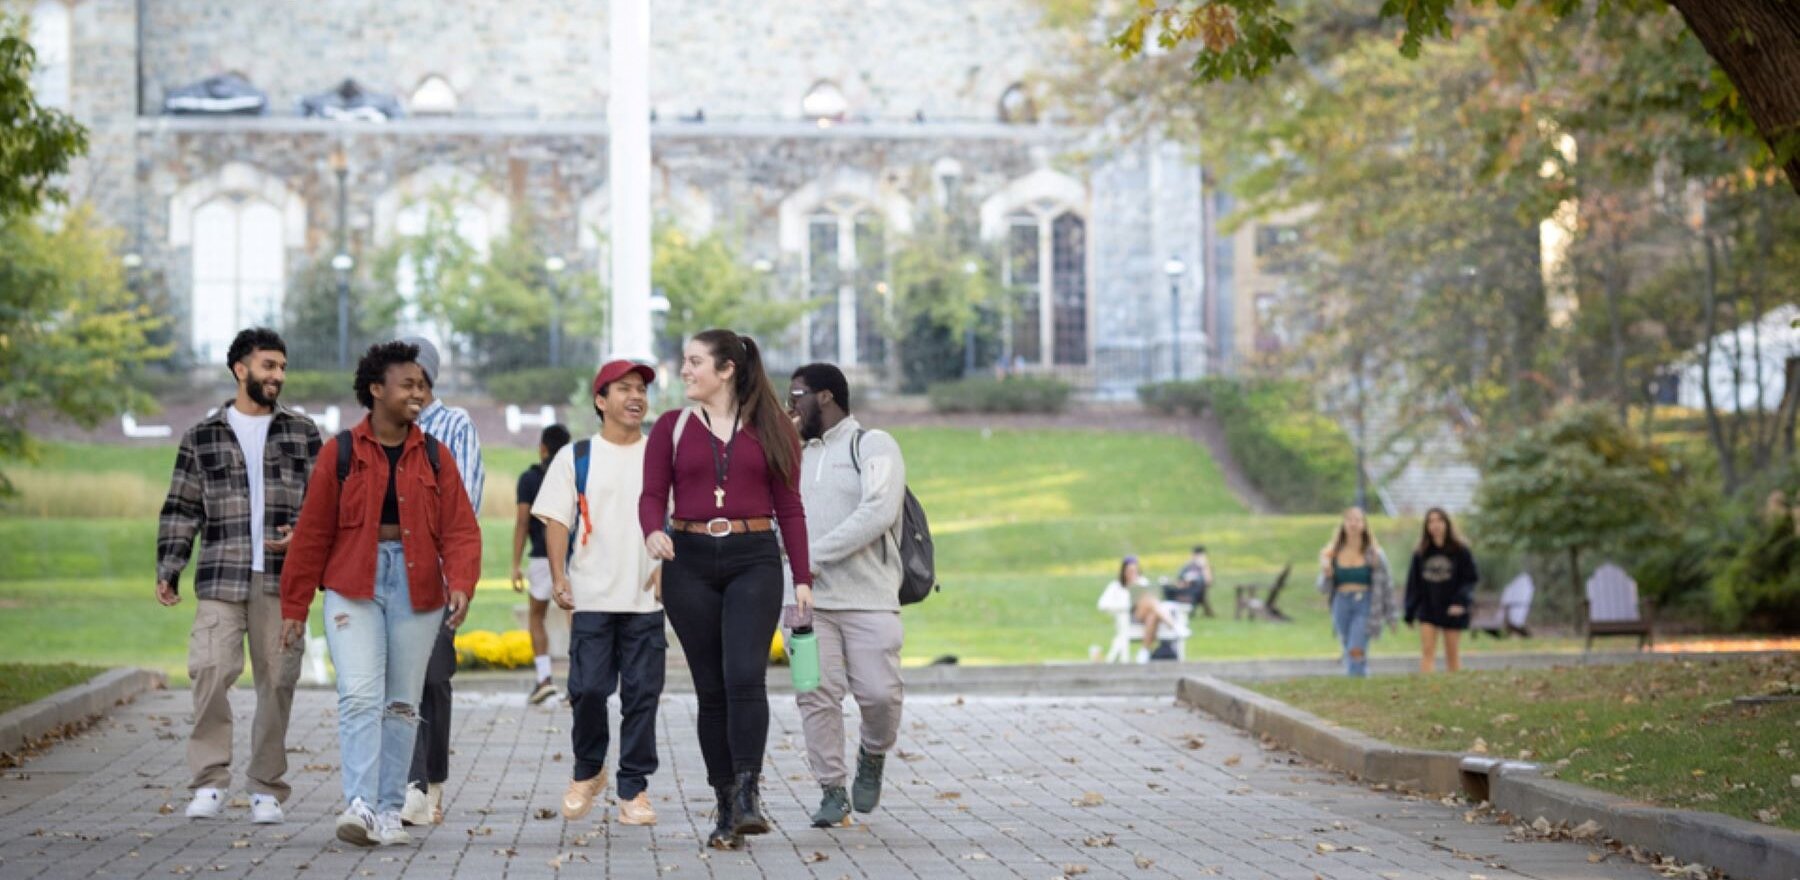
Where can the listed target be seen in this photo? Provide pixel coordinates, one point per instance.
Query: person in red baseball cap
(601, 571)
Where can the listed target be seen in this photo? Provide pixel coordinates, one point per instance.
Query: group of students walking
(1439, 597)
(704, 520)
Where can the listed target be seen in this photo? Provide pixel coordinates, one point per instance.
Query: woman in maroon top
(733, 476)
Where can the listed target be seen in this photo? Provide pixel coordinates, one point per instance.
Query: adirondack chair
(1612, 608)
(1253, 602)
(1509, 615)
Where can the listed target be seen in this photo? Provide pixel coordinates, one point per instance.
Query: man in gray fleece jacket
(853, 482)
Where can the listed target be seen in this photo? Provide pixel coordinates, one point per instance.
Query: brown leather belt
(721, 527)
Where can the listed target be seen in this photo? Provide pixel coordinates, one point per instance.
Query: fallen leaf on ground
(1090, 799)
(948, 795)
(1074, 870)
(815, 858)
(545, 813)
(1099, 840)
(1234, 760)
(1143, 863)
(1768, 816)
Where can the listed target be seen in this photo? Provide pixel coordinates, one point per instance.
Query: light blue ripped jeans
(380, 648)
(1350, 620)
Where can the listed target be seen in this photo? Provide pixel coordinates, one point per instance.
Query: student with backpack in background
(600, 570)
(853, 483)
(388, 535)
(528, 529)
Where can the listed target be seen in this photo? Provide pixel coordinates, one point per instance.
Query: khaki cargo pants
(216, 662)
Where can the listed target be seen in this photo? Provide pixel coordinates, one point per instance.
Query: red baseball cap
(613, 371)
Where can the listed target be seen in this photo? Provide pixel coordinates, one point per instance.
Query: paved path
(980, 787)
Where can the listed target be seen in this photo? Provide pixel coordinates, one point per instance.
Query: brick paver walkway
(980, 787)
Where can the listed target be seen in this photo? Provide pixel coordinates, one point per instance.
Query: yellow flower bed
(485, 649)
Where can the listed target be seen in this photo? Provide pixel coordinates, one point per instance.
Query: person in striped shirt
(455, 431)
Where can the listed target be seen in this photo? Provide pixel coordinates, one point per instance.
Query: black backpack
(344, 443)
(918, 558)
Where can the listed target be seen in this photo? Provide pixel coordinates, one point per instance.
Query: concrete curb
(1741, 849)
(32, 722)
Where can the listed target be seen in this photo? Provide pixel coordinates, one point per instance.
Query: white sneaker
(265, 810)
(208, 803)
(389, 828)
(418, 807)
(357, 824)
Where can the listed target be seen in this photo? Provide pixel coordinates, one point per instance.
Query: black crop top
(390, 504)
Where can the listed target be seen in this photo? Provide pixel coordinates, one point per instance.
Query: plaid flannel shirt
(209, 496)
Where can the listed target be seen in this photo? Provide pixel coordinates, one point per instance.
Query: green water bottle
(803, 658)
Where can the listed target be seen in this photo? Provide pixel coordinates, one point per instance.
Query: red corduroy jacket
(334, 545)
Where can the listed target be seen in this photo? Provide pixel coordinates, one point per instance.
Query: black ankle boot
(747, 808)
(722, 836)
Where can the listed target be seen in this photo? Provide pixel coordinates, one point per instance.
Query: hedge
(1015, 394)
(554, 385)
(1300, 459)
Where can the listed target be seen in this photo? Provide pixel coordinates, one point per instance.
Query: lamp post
(553, 266)
(1175, 268)
(970, 268)
(340, 166)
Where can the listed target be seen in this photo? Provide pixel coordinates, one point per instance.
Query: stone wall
(752, 59)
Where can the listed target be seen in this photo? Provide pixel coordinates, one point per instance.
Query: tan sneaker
(578, 801)
(637, 811)
(434, 796)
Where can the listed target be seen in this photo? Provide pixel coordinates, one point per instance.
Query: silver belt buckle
(720, 521)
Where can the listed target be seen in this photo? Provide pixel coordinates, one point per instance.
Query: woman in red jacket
(733, 476)
(396, 548)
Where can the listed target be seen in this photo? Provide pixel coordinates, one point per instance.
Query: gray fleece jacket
(851, 519)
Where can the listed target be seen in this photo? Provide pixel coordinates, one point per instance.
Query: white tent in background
(1769, 340)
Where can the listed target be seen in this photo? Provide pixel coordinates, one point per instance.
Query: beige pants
(215, 662)
(859, 655)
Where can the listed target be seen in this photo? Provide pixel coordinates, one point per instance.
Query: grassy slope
(22, 683)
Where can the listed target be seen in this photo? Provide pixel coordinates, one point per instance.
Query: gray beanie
(428, 357)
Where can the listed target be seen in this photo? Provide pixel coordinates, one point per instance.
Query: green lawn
(22, 683)
(1029, 526)
(1665, 733)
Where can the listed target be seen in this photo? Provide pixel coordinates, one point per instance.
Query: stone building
(812, 135)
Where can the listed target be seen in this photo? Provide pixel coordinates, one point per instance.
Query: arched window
(846, 277)
(824, 103)
(49, 38)
(436, 201)
(433, 97)
(238, 224)
(1017, 106)
(239, 271)
(1039, 224)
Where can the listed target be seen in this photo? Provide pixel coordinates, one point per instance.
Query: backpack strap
(344, 443)
(681, 421)
(584, 522)
(856, 449)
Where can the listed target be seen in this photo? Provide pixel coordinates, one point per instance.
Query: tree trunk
(1757, 45)
(1580, 606)
(1790, 407)
(1710, 321)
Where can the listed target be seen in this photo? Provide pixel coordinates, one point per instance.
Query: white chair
(517, 420)
(135, 431)
(1128, 632)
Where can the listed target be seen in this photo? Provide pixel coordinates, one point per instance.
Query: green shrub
(1016, 394)
(319, 386)
(1301, 459)
(540, 385)
(1177, 398)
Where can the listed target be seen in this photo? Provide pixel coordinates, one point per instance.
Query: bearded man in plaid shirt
(239, 479)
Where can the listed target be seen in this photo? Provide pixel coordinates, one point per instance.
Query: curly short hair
(372, 369)
(251, 341)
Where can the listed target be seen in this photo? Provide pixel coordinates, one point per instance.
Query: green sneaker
(834, 808)
(865, 793)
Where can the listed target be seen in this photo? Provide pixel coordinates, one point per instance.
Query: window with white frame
(239, 271)
(1045, 268)
(50, 39)
(846, 280)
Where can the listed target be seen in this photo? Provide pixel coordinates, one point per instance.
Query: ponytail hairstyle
(756, 399)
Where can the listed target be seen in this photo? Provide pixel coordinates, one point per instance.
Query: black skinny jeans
(723, 598)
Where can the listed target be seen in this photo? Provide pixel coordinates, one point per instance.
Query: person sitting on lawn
(1191, 584)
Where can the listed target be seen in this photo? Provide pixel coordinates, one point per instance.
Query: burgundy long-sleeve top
(752, 490)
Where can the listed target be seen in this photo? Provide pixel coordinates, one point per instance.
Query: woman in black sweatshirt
(1440, 590)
